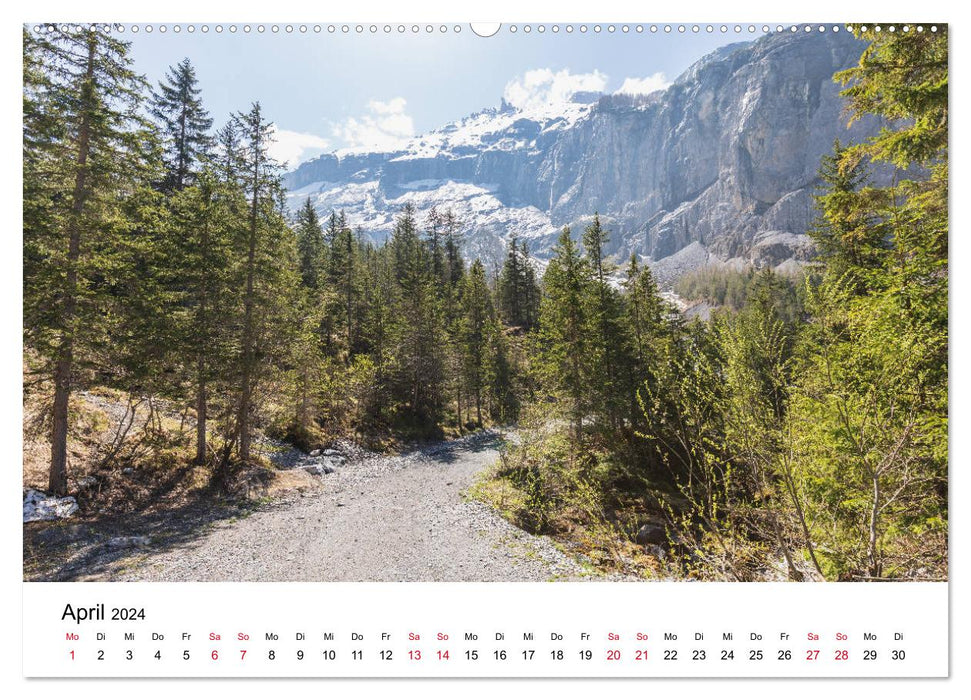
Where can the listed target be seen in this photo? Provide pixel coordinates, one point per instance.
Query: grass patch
(543, 487)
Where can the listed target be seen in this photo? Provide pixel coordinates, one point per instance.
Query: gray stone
(656, 551)
(320, 469)
(86, 482)
(129, 541)
(652, 534)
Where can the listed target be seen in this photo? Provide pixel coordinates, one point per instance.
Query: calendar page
(426, 349)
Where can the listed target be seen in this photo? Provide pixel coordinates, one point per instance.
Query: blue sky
(329, 91)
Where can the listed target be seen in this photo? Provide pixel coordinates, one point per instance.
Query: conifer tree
(500, 373)
(605, 342)
(86, 146)
(510, 285)
(177, 105)
(261, 183)
(645, 311)
(229, 153)
(417, 322)
(563, 330)
(516, 288)
(476, 312)
(205, 228)
(310, 245)
(435, 235)
(451, 230)
(344, 264)
(531, 293)
(869, 412)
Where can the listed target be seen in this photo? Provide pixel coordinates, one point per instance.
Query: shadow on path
(62, 551)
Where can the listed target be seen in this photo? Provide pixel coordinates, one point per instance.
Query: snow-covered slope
(372, 208)
(370, 197)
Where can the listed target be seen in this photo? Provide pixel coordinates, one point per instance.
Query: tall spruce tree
(85, 149)
(344, 263)
(516, 289)
(206, 227)
(869, 413)
(605, 338)
(563, 340)
(177, 105)
(473, 332)
(418, 327)
(310, 245)
(510, 285)
(261, 184)
(531, 293)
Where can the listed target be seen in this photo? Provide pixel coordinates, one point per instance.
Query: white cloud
(386, 126)
(542, 86)
(292, 147)
(644, 86)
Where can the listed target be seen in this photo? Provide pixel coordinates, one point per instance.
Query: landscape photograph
(408, 303)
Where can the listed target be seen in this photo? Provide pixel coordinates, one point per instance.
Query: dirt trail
(383, 518)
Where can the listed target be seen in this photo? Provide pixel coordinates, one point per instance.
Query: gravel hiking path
(377, 518)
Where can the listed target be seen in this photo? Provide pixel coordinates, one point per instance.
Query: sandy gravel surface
(377, 518)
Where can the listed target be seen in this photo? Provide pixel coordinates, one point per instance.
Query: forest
(802, 427)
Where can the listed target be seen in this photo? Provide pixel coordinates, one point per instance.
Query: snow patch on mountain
(501, 128)
(486, 222)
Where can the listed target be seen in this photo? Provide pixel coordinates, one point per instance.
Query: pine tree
(510, 285)
(647, 330)
(344, 264)
(205, 228)
(435, 236)
(563, 338)
(177, 105)
(85, 149)
(604, 327)
(229, 153)
(531, 293)
(516, 288)
(261, 185)
(869, 411)
(644, 311)
(310, 245)
(417, 323)
(500, 373)
(453, 274)
(378, 327)
(473, 332)
(849, 238)
(455, 266)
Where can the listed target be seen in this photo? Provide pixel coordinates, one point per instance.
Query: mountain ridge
(725, 157)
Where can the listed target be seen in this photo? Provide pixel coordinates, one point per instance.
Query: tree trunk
(803, 524)
(872, 554)
(201, 413)
(181, 167)
(349, 296)
(246, 395)
(458, 404)
(57, 481)
(304, 418)
(203, 327)
(478, 400)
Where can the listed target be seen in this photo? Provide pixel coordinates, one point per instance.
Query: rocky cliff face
(720, 167)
